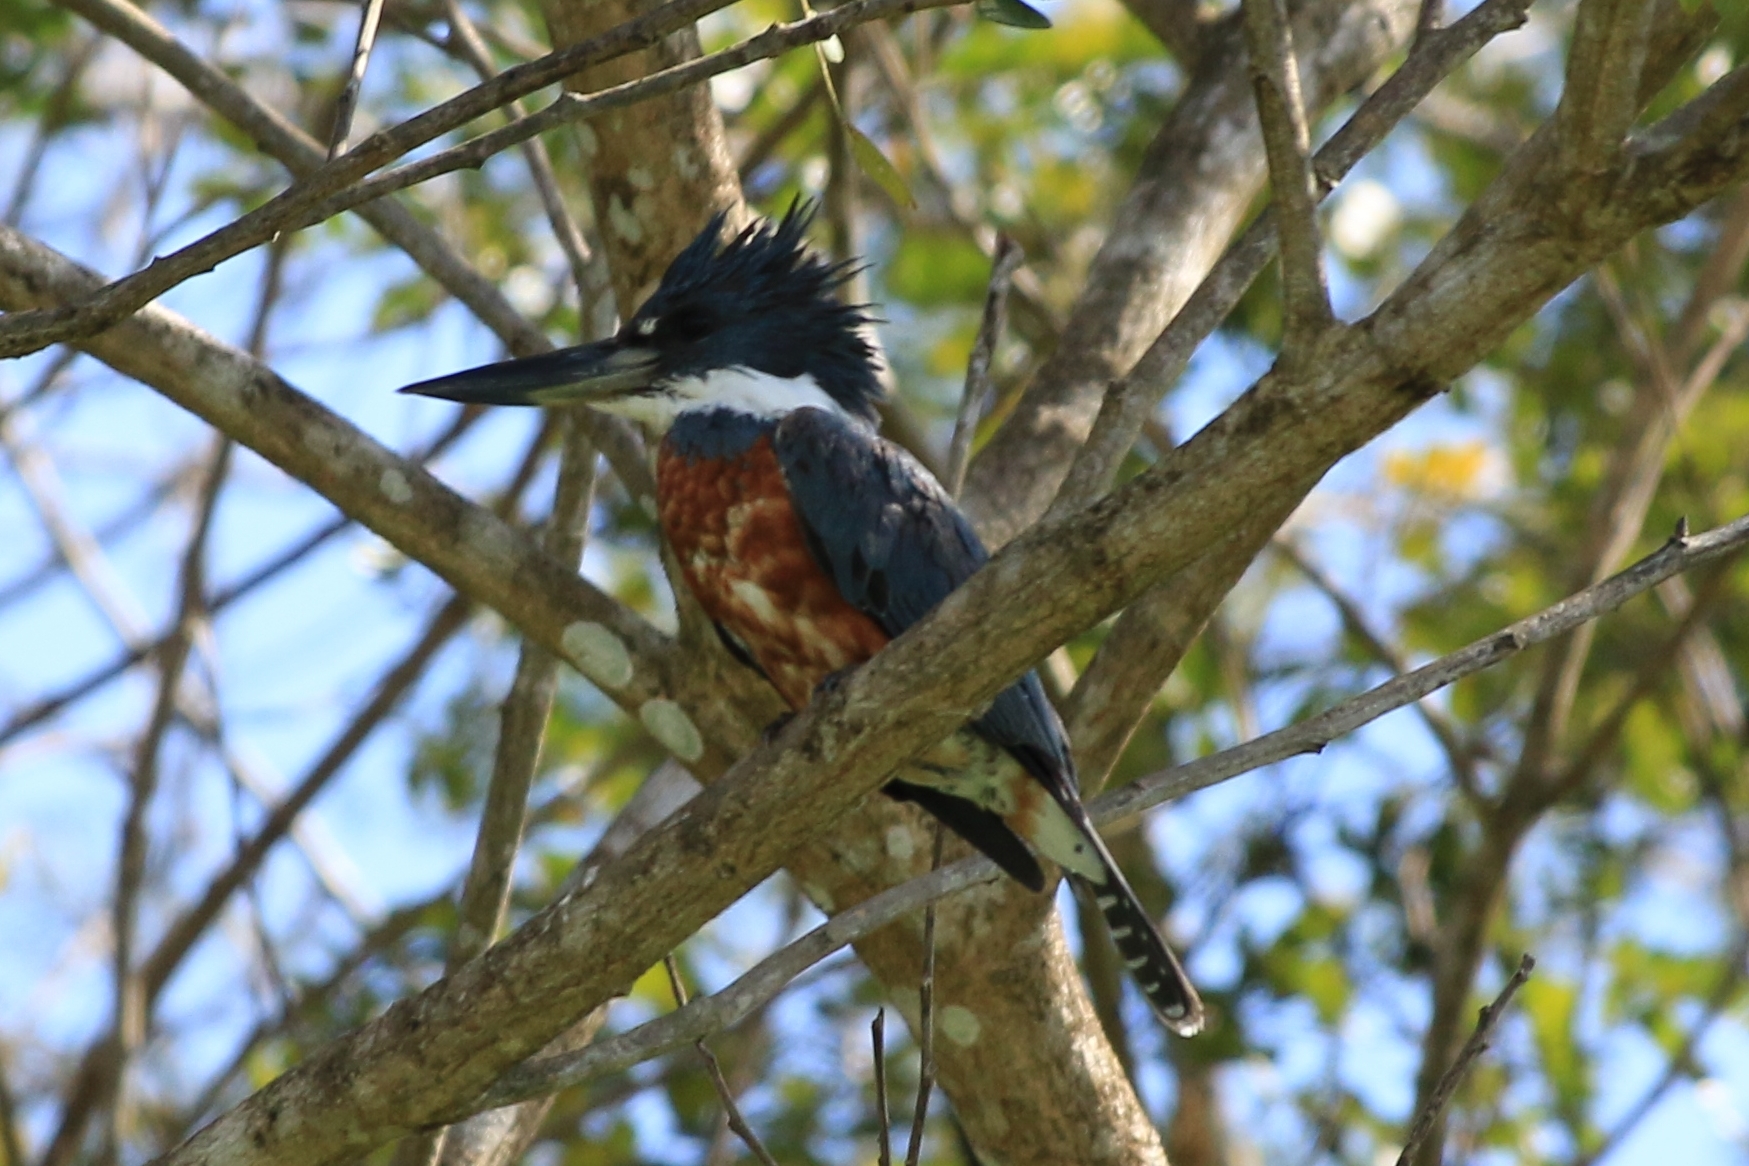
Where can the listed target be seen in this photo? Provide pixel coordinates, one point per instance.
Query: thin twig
(302, 157)
(335, 186)
(1287, 140)
(737, 1122)
(925, 1022)
(467, 41)
(1131, 399)
(976, 395)
(714, 1013)
(49, 706)
(878, 1035)
(1473, 1048)
(347, 104)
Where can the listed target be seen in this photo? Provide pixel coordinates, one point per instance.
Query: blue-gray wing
(896, 545)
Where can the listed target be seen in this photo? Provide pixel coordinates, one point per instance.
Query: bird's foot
(834, 681)
(771, 731)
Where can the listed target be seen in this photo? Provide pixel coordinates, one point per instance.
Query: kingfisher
(810, 541)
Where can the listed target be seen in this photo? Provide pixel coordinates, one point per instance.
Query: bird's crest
(779, 297)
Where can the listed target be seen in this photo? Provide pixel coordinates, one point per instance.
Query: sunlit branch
(707, 1015)
(1472, 1050)
(1129, 400)
(1281, 112)
(336, 187)
(300, 154)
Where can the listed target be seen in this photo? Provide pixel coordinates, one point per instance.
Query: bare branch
(1275, 79)
(1602, 95)
(336, 187)
(300, 155)
(708, 1015)
(1473, 1048)
(347, 103)
(486, 891)
(1681, 553)
(476, 551)
(925, 1023)
(878, 1035)
(1130, 400)
(467, 40)
(49, 706)
(737, 1122)
(975, 398)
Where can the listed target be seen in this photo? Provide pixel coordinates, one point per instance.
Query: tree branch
(336, 186)
(708, 1015)
(1473, 1048)
(1127, 402)
(1601, 97)
(278, 137)
(289, 210)
(1287, 141)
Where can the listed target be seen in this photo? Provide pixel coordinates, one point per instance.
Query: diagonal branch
(707, 1015)
(1130, 400)
(299, 153)
(335, 186)
(1460, 1068)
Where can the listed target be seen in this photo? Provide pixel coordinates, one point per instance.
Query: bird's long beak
(586, 374)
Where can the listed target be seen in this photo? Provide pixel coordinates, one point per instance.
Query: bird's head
(750, 325)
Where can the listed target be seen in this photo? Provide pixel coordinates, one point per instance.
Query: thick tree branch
(1129, 401)
(708, 1015)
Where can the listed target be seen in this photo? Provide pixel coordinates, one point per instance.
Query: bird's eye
(647, 327)
(687, 324)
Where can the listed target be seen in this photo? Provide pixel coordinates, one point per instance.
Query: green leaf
(877, 166)
(1013, 13)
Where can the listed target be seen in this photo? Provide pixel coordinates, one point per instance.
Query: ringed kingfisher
(811, 542)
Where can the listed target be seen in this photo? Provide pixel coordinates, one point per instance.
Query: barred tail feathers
(1153, 967)
(1061, 830)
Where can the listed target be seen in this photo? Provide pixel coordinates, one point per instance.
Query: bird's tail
(1153, 967)
(1072, 842)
